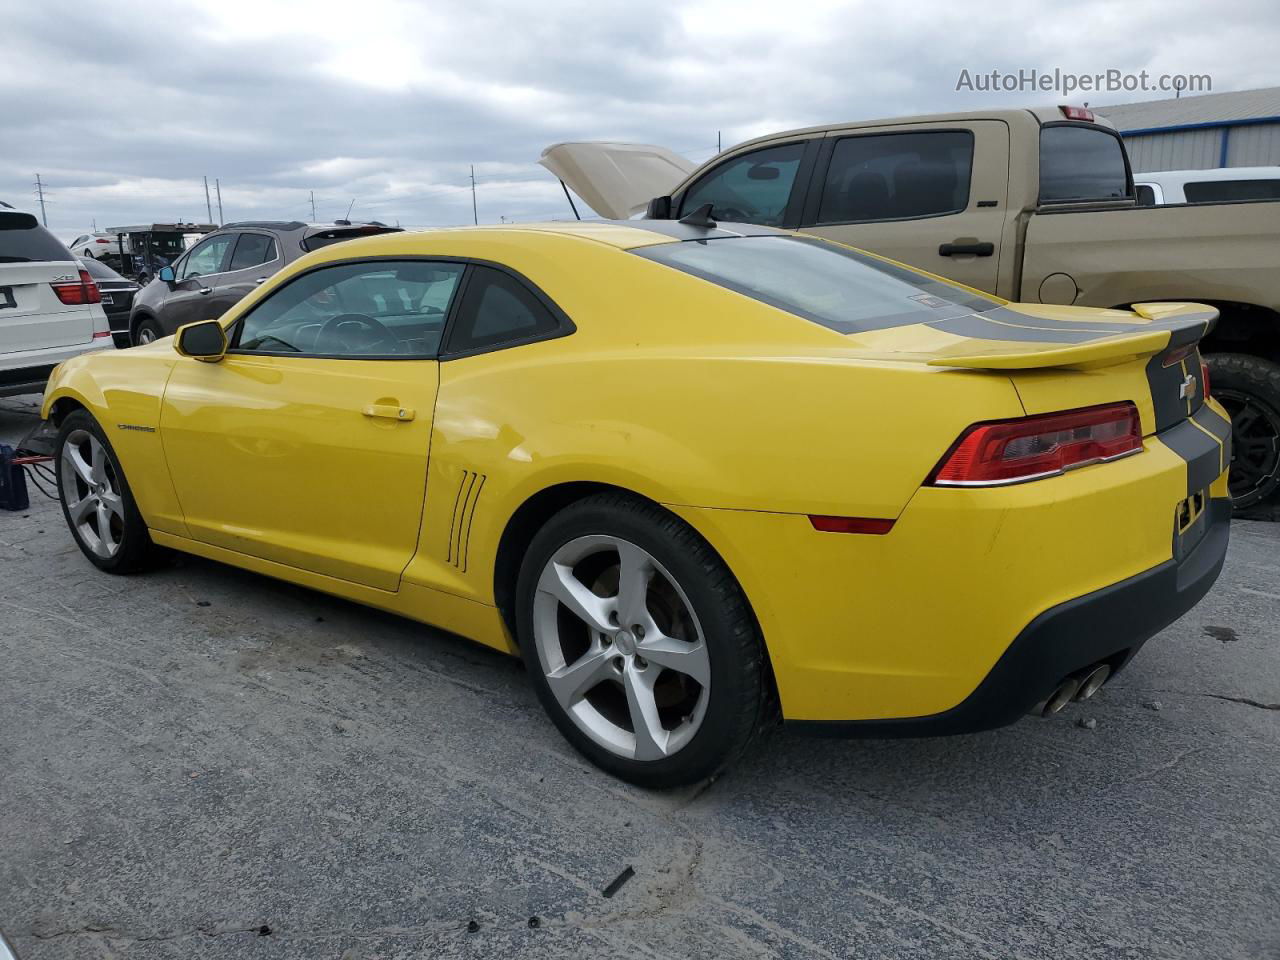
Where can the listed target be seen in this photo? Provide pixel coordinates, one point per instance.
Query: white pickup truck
(1032, 205)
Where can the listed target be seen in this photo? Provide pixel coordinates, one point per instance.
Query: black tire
(135, 550)
(739, 702)
(1249, 388)
(147, 327)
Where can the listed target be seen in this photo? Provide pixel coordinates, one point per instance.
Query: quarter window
(897, 176)
(251, 250)
(753, 188)
(497, 309)
(387, 308)
(207, 257)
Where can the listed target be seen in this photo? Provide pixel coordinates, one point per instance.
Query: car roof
(1169, 178)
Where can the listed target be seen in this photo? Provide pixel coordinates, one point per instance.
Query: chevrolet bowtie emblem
(1188, 388)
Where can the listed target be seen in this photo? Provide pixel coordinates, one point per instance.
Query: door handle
(203, 291)
(260, 280)
(388, 411)
(966, 247)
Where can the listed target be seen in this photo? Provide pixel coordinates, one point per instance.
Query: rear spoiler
(1166, 325)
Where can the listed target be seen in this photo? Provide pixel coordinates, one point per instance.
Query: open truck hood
(617, 180)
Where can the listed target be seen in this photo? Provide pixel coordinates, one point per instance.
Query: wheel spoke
(80, 510)
(114, 503)
(73, 458)
(651, 738)
(98, 466)
(559, 581)
(634, 572)
(102, 523)
(682, 657)
(571, 682)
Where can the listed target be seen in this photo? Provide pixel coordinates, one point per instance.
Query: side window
(1146, 195)
(1219, 191)
(207, 257)
(752, 188)
(78, 240)
(497, 308)
(383, 308)
(1081, 163)
(897, 176)
(251, 250)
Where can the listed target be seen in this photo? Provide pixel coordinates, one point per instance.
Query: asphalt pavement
(202, 763)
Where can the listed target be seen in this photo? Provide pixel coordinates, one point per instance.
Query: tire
(694, 679)
(1249, 389)
(147, 331)
(97, 503)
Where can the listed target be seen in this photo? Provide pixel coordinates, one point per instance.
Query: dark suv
(224, 266)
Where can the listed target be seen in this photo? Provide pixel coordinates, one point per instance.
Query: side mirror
(659, 208)
(203, 340)
(167, 275)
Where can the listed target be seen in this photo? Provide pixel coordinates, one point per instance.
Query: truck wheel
(1249, 389)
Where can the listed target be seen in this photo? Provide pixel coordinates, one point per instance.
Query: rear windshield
(1081, 163)
(326, 237)
(23, 240)
(98, 270)
(829, 284)
(1219, 191)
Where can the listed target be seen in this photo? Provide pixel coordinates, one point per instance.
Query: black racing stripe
(1166, 392)
(1183, 336)
(1219, 426)
(979, 327)
(1202, 453)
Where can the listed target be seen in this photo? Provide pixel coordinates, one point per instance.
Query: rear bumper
(28, 371)
(1109, 625)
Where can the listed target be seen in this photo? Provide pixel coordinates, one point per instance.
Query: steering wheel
(330, 338)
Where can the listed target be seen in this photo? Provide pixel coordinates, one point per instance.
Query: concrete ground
(203, 764)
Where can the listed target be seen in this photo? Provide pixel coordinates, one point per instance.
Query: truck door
(933, 195)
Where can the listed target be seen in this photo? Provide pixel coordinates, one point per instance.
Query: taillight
(1077, 113)
(1204, 378)
(83, 292)
(100, 240)
(1030, 448)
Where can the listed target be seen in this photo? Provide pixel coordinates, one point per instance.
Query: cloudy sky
(122, 107)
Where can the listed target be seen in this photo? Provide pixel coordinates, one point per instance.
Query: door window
(752, 188)
(206, 258)
(251, 250)
(386, 308)
(897, 176)
(498, 309)
(1081, 163)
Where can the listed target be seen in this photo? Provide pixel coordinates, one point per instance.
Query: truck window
(1219, 191)
(897, 176)
(1146, 196)
(752, 188)
(1081, 163)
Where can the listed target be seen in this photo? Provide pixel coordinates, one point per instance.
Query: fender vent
(464, 510)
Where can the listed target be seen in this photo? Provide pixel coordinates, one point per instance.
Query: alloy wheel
(621, 648)
(91, 491)
(1255, 446)
(146, 335)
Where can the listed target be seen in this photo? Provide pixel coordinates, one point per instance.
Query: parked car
(117, 297)
(49, 305)
(1033, 205)
(693, 473)
(1221, 185)
(225, 266)
(95, 245)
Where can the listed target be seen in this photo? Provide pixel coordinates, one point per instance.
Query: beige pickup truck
(1032, 205)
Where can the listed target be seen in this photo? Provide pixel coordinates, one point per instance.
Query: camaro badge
(1188, 388)
(134, 426)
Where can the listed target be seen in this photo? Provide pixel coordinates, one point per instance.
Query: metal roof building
(1240, 129)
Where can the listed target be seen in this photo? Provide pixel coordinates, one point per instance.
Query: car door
(307, 444)
(254, 258)
(931, 195)
(188, 298)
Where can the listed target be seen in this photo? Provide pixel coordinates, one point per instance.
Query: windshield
(165, 244)
(838, 287)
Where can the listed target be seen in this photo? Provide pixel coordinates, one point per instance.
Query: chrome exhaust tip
(1093, 682)
(1061, 697)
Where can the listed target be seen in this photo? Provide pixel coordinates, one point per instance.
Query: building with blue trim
(1239, 129)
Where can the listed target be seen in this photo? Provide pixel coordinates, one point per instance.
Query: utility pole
(40, 194)
(217, 185)
(313, 207)
(207, 206)
(474, 215)
(717, 141)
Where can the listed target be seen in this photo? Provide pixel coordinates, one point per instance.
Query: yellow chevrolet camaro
(697, 475)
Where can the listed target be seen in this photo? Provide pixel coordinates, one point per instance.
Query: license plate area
(7, 301)
(1190, 521)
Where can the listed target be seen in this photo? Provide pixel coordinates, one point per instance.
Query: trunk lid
(617, 180)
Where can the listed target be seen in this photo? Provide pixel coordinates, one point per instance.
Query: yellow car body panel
(739, 417)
